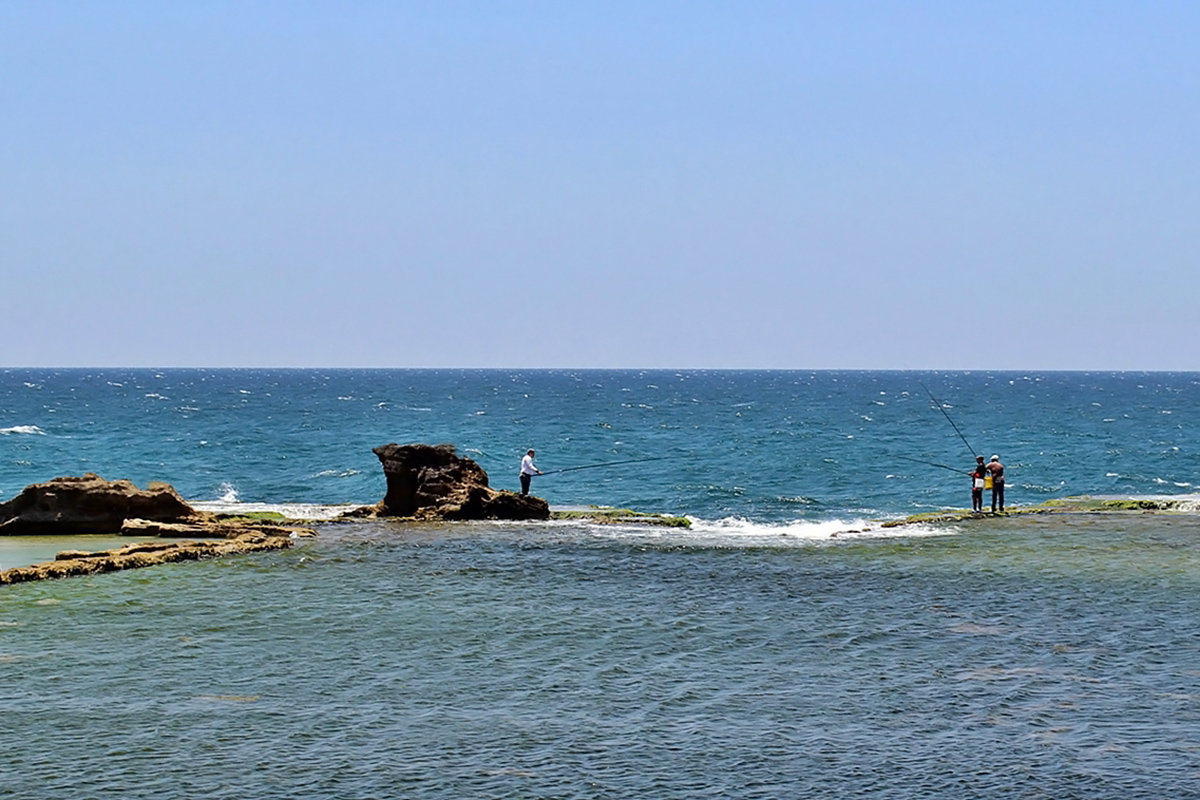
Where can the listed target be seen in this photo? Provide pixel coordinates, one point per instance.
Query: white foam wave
(808, 530)
(741, 532)
(28, 430)
(336, 473)
(314, 511)
(229, 493)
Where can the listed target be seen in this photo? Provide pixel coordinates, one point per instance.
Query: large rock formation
(91, 504)
(433, 482)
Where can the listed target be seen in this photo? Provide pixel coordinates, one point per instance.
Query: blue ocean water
(781, 647)
(768, 447)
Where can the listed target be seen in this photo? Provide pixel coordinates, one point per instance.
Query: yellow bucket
(987, 481)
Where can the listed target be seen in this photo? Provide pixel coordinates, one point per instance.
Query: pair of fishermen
(990, 475)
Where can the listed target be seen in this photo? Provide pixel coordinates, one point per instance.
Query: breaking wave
(28, 430)
(741, 532)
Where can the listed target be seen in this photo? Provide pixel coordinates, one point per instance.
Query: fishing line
(938, 403)
(932, 464)
(604, 464)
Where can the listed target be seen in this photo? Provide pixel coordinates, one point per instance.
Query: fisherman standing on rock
(996, 471)
(528, 470)
(977, 485)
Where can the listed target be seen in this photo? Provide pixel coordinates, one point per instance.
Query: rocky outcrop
(431, 482)
(146, 554)
(222, 527)
(90, 504)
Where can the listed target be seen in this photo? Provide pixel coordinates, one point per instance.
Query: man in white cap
(997, 471)
(528, 470)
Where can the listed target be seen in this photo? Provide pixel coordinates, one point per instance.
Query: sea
(787, 644)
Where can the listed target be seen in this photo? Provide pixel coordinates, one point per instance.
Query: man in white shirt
(528, 470)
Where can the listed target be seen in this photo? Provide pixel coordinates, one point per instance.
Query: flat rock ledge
(1083, 504)
(69, 563)
(89, 504)
(432, 482)
(608, 515)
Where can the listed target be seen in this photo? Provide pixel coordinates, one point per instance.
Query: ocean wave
(306, 511)
(1039, 489)
(28, 430)
(337, 473)
(802, 500)
(741, 532)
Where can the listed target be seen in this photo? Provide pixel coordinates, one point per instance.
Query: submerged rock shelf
(607, 515)
(69, 563)
(89, 504)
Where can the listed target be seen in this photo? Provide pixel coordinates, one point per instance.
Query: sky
(744, 185)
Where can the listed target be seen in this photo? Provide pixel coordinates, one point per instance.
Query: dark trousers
(997, 494)
(525, 480)
(977, 499)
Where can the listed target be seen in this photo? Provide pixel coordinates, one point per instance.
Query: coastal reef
(432, 482)
(607, 515)
(70, 563)
(89, 504)
(1083, 504)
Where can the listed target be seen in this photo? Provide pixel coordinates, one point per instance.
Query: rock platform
(89, 504)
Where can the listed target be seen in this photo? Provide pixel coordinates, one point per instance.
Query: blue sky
(965, 185)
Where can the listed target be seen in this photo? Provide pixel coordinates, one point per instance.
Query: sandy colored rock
(146, 554)
(90, 504)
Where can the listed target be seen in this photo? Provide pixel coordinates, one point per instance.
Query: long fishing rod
(933, 464)
(604, 464)
(938, 403)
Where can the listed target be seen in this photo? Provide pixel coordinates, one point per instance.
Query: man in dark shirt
(977, 484)
(997, 471)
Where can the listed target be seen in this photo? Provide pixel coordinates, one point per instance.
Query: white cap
(995, 458)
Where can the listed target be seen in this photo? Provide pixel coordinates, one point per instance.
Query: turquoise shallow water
(781, 647)
(1046, 658)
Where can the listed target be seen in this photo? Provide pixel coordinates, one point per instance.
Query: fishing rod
(932, 464)
(604, 464)
(938, 403)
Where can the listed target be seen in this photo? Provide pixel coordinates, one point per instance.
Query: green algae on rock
(1083, 504)
(608, 515)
